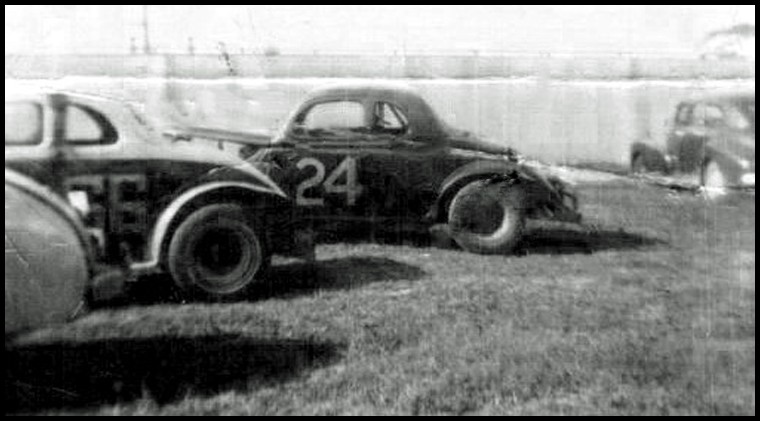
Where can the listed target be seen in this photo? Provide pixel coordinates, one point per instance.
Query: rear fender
(730, 164)
(245, 193)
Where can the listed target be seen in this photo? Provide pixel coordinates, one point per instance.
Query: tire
(639, 164)
(488, 218)
(712, 176)
(195, 261)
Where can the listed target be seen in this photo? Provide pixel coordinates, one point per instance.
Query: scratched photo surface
(379, 210)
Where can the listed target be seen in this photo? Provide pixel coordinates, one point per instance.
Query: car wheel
(216, 254)
(487, 218)
(639, 164)
(713, 176)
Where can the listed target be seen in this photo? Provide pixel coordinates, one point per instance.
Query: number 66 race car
(381, 155)
(205, 216)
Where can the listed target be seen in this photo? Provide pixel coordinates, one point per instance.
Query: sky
(378, 29)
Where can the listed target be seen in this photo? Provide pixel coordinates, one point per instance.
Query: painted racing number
(344, 180)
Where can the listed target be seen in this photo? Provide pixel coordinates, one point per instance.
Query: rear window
(23, 124)
(85, 126)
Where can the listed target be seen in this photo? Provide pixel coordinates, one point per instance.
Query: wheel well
(444, 202)
(639, 150)
(257, 204)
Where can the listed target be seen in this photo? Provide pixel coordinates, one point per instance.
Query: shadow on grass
(336, 274)
(559, 241)
(542, 238)
(80, 375)
(289, 279)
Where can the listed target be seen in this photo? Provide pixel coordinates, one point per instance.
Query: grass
(653, 313)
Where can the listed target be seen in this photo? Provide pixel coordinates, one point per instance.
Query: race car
(379, 154)
(712, 137)
(154, 205)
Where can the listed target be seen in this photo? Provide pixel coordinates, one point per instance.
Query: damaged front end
(552, 198)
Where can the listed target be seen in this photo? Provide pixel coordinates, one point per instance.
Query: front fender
(497, 171)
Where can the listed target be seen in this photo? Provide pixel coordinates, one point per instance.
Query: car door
(679, 132)
(328, 141)
(108, 190)
(402, 167)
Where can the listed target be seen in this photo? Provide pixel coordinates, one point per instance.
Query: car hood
(459, 139)
(466, 144)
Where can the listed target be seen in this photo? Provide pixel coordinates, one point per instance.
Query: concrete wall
(392, 67)
(569, 122)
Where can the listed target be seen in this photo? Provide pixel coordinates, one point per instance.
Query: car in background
(378, 154)
(152, 205)
(712, 137)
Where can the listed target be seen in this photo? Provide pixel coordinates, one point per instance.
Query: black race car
(381, 155)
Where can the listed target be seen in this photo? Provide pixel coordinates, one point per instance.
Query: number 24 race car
(380, 154)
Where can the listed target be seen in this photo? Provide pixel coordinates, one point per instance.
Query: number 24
(352, 189)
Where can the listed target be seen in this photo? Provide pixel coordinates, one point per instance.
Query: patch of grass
(651, 312)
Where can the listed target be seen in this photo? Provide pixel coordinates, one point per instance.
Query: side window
(708, 115)
(683, 117)
(332, 116)
(389, 119)
(85, 126)
(23, 124)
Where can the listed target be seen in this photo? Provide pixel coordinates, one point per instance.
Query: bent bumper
(568, 213)
(564, 207)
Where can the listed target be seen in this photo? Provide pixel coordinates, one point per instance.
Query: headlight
(748, 180)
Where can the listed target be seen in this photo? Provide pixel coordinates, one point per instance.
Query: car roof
(29, 93)
(23, 93)
(381, 91)
(726, 98)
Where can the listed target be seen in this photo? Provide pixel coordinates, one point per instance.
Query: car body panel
(124, 185)
(717, 128)
(404, 170)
